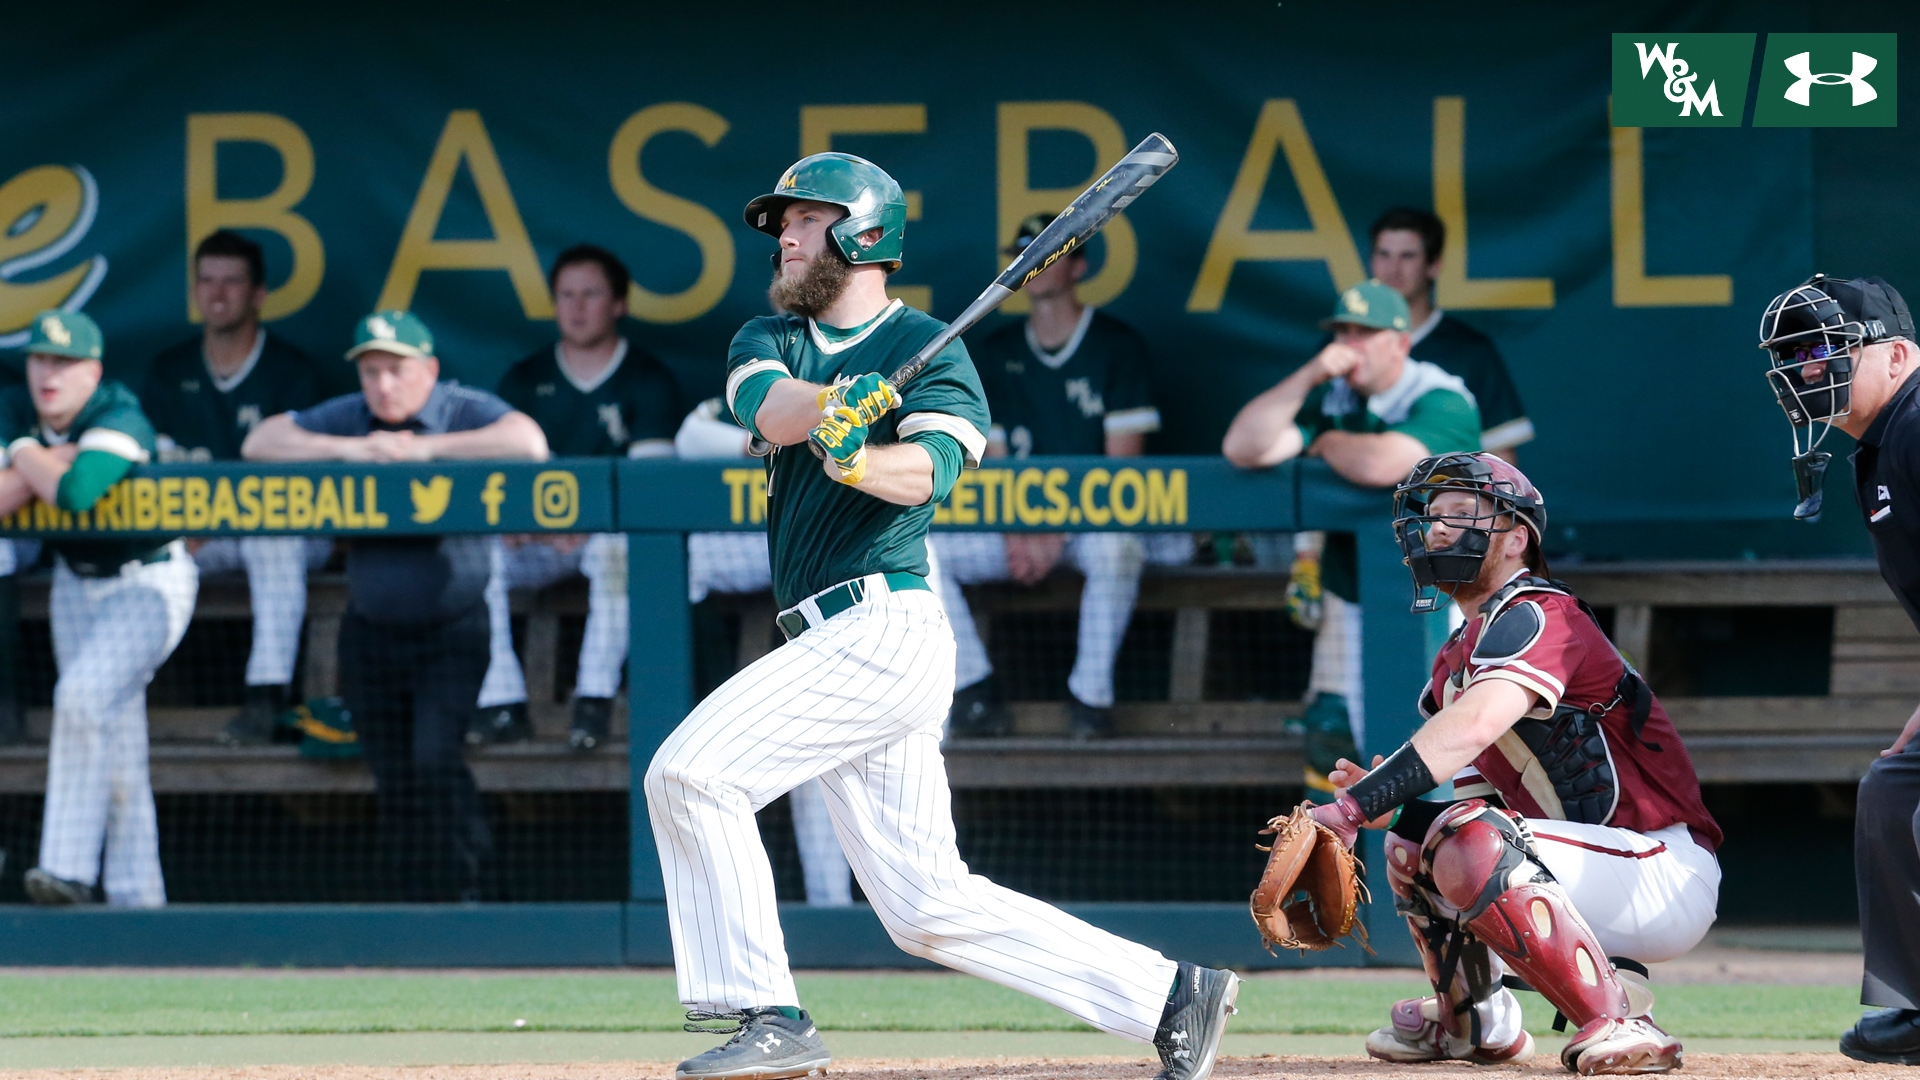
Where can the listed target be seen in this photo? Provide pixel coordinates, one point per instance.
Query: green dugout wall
(657, 503)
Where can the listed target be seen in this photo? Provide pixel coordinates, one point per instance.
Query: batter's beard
(816, 289)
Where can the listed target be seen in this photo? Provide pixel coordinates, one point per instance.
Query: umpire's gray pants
(1886, 869)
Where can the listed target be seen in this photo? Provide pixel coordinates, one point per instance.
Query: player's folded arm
(105, 458)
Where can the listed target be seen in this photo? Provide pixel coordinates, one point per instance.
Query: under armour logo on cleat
(767, 1042)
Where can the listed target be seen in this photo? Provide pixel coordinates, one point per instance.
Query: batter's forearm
(791, 410)
(899, 473)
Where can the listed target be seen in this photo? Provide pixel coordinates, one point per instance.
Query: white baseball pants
(534, 565)
(276, 568)
(1111, 562)
(1337, 656)
(859, 702)
(1649, 897)
(109, 636)
(737, 562)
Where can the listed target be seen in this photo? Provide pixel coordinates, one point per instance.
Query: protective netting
(299, 752)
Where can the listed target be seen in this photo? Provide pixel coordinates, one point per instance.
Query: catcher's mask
(1811, 333)
(1505, 500)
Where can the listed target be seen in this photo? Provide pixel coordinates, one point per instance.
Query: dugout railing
(657, 503)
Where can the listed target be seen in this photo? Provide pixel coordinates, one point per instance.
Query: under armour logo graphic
(1180, 1040)
(767, 1042)
(1680, 80)
(610, 419)
(1080, 392)
(1801, 65)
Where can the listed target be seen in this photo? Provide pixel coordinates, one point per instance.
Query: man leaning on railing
(413, 642)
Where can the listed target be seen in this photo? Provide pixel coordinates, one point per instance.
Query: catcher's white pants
(276, 568)
(1649, 897)
(859, 703)
(737, 562)
(109, 636)
(1111, 563)
(535, 565)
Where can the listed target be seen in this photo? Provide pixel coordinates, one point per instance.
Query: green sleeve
(1443, 421)
(89, 477)
(947, 457)
(755, 361)
(749, 396)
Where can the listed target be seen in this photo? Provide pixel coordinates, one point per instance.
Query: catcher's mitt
(1309, 896)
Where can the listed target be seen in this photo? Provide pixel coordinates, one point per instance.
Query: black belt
(793, 622)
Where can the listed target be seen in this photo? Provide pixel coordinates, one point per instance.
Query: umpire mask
(1504, 500)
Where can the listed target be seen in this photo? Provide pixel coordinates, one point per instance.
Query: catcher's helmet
(872, 200)
(1505, 493)
(1809, 333)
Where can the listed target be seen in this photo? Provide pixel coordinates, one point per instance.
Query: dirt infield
(1785, 1066)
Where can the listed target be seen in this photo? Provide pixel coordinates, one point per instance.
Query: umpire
(1842, 354)
(413, 643)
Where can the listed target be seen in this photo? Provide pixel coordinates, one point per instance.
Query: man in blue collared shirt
(413, 644)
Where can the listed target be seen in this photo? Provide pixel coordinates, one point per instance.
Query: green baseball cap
(398, 332)
(66, 333)
(1370, 304)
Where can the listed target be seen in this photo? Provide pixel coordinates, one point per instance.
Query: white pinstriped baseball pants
(109, 636)
(276, 569)
(534, 565)
(859, 702)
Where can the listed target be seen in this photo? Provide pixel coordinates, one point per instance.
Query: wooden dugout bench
(1185, 740)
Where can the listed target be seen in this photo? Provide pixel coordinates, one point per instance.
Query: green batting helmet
(872, 200)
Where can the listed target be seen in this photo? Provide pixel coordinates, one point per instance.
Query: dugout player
(413, 641)
(594, 395)
(1842, 355)
(118, 609)
(1070, 379)
(858, 694)
(1578, 833)
(1407, 246)
(204, 397)
(1372, 412)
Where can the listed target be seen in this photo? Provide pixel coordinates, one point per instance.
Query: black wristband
(1394, 782)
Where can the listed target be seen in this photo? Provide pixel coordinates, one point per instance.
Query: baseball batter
(118, 609)
(1578, 843)
(858, 693)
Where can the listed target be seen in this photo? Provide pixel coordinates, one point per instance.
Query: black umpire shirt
(1886, 472)
(423, 578)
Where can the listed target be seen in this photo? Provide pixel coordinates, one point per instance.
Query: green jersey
(113, 436)
(1461, 350)
(1066, 401)
(822, 532)
(632, 408)
(1428, 404)
(202, 417)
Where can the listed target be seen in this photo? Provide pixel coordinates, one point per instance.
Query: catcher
(1577, 849)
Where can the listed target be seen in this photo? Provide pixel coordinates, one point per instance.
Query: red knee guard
(1483, 865)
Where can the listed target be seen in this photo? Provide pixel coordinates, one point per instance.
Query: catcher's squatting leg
(109, 636)
(859, 702)
(1478, 875)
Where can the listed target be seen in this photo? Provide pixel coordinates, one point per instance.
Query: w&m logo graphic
(1828, 80)
(1680, 80)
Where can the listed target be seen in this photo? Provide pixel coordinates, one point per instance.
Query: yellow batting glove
(870, 395)
(842, 437)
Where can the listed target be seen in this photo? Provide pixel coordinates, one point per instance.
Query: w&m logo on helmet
(1680, 80)
(1828, 80)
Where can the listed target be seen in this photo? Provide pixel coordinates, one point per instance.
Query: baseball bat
(1086, 215)
(1083, 217)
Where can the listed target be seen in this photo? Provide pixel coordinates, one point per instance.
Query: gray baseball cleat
(768, 1045)
(44, 888)
(1195, 1018)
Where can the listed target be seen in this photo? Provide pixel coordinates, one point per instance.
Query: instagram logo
(556, 499)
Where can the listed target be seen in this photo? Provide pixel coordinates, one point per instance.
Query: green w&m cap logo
(1680, 80)
(1828, 80)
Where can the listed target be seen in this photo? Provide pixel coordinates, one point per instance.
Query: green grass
(301, 1002)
